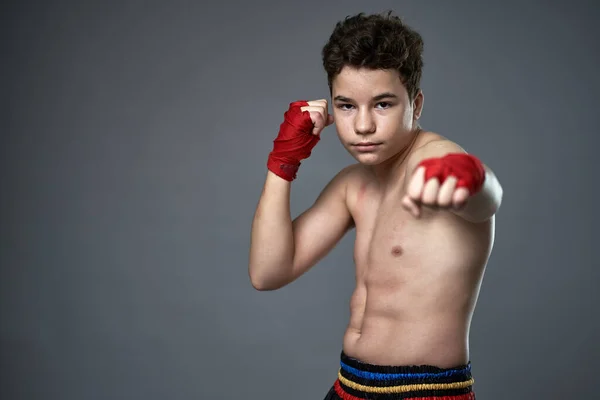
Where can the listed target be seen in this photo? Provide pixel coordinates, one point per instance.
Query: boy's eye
(345, 106)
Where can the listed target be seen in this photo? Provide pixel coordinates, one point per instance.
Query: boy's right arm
(281, 249)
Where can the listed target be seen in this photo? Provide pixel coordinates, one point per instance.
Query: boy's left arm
(441, 175)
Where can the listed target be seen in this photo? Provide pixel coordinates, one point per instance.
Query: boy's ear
(418, 105)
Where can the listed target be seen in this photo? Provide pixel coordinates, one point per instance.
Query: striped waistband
(359, 380)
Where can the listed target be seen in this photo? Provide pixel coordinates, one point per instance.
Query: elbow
(495, 199)
(262, 283)
(478, 212)
(487, 205)
(497, 193)
(261, 286)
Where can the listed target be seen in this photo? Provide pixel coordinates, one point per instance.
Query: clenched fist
(318, 115)
(298, 134)
(444, 183)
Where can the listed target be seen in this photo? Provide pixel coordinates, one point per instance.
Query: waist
(391, 341)
(359, 380)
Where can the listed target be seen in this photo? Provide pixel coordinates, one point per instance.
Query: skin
(421, 247)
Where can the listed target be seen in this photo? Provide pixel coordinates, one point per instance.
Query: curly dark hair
(377, 41)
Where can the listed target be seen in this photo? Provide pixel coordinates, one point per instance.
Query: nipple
(396, 251)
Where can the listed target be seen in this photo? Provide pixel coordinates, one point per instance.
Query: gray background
(133, 150)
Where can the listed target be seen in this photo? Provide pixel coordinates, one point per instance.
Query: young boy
(423, 210)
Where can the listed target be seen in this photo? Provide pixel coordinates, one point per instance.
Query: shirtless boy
(423, 210)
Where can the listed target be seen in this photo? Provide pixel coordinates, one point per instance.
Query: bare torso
(417, 280)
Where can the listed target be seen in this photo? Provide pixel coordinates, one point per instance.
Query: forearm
(272, 239)
(484, 204)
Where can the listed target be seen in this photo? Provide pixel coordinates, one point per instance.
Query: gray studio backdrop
(134, 137)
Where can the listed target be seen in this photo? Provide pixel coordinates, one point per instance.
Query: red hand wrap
(294, 142)
(466, 168)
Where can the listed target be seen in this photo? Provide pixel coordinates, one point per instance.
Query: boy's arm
(281, 250)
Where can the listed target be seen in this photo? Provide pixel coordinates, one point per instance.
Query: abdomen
(418, 304)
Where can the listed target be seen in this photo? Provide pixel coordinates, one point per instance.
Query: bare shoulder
(432, 142)
(343, 179)
(357, 181)
(335, 193)
(350, 176)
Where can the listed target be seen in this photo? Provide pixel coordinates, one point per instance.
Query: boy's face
(372, 106)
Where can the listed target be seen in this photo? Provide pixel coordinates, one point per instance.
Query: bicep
(322, 226)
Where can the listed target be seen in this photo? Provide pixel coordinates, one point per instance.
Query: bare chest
(383, 233)
(393, 246)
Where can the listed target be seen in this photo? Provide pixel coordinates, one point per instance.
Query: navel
(396, 251)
